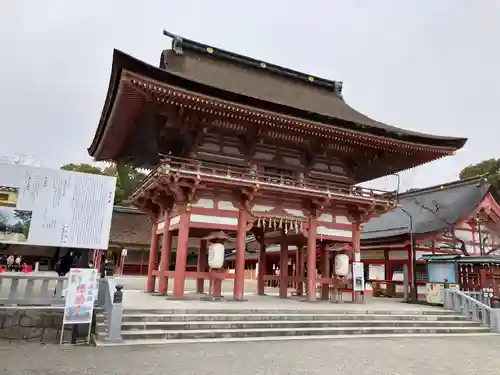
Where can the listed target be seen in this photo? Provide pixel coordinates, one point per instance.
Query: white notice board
(50, 207)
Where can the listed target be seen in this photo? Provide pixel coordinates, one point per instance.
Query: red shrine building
(239, 146)
(460, 217)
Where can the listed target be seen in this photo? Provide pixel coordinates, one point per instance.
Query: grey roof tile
(432, 209)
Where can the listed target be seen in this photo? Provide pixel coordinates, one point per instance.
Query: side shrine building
(238, 146)
(458, 218)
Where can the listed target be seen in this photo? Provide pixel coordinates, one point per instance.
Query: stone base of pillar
(200, 286)
(357, 298)
(325, 292)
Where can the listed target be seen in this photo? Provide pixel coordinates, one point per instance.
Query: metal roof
(456, 258)
(432, 209)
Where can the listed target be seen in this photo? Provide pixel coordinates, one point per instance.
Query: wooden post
(356, 248)
(283, 291)
(142, 262)
(153, 254)
(181, 256)
(262, 268)
(300, 270)
(325, 272)
(311, 260)
(166, 256)
(239, 269)
(201, 266)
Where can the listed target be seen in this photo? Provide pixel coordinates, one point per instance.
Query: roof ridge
(446, 186)
(179, 43)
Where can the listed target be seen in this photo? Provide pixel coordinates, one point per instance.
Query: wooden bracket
(315, 207)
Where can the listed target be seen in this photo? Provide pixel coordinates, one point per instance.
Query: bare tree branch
(451, 226)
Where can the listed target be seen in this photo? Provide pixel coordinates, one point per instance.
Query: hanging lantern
(216, 255)
(341, 264)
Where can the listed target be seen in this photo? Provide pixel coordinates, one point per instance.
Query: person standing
(18, 265)
(10, 263)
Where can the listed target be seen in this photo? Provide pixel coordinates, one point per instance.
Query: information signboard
(50, 207)
(358, 277)
(80, 296)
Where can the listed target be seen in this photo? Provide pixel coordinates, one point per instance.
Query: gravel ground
(429, 356)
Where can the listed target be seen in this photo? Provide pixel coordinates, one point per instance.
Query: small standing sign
(81, 294)
(358, 277)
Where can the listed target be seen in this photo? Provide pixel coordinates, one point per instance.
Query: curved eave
(113, 85)
(123, 62)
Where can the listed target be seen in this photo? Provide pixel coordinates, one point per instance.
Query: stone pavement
(139, 283)
(370, 356)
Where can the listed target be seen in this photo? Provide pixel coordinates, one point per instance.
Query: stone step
(391, 336)
(159, 334)
(312, 311)
(280, 317)
(217, 325)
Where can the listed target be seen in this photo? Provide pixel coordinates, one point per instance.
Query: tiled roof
(254, 78)
(432, 209)
(130, 227)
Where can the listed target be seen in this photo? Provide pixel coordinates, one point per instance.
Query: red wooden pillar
(181, 256)
(300, 270)
(356, 248)
(166, 255)
(387, 267)
(98, 258)
(311, 260)
(325, 272)
(153, 254)
(201, 266)
(283, 267)
(239, 267)
(261, 283)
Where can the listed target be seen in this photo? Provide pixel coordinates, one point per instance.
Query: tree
(24, 216)
(83, 168)
(449, 230)
(127, 178)
(3, 218)
(490, 167)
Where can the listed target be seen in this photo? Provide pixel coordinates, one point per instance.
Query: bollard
(115, 316)
(495, 302)
(118, 295)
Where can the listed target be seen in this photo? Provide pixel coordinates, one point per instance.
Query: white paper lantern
(216, 255)
(341, 264)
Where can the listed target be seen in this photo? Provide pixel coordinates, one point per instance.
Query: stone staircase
(212, 325)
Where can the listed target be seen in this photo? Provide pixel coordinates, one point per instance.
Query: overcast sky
(427, 65)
